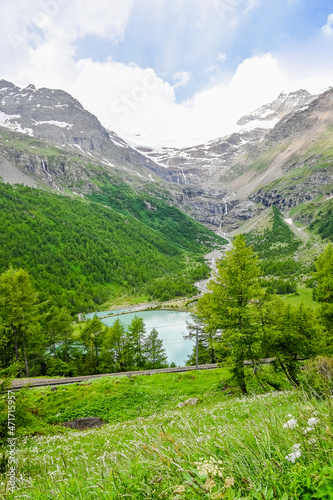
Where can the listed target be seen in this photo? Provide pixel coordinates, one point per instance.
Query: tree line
(240, 321)
(41, 340)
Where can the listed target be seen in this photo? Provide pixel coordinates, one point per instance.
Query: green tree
(154, 353)
(19, 313)
(231, 307)
(324, 293)
(207, 339)
(136, 333)
(113, 357)
(290, 334)
(324, 275)
(92, 336)
(58, 326)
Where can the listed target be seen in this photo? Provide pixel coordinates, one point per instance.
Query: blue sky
(169, 72)
(177, 38)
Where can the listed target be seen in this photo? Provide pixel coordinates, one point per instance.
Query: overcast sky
(168, 72)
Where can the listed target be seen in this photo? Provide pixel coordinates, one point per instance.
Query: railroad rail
(20, 383)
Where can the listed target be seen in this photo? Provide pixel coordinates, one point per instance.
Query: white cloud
(222, 58)
(251, 5)
(141, 107)
(182, 78)
(328, 28)
(38, 46)
(31, 22)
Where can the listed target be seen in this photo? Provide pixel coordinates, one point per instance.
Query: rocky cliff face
(270, 114)
(55, 117)
(260, 164)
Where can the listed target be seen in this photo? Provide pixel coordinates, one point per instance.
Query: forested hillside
(80, 253)
(276, 246)
(323, 222)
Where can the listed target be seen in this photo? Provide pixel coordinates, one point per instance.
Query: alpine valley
(82, 209)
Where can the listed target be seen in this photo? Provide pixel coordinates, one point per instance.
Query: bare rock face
(188, 402)
(84, 423)
(232, 179)
(276, 110)
(54, 116)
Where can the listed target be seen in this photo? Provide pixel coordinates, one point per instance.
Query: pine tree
(136, 333)
(19, 313)
(154, 353)
(231, 307)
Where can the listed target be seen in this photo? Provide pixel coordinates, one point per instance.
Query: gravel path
(211, 259)
(18, 383)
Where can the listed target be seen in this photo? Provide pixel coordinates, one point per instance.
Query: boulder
(188, 402)
(84, 423)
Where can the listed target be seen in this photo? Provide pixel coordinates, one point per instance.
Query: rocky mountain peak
(268, 116)
(4, 84)
(58, 118)
(30, 87)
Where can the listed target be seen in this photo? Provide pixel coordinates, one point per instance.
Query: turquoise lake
(171, 326)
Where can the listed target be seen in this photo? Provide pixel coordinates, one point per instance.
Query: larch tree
(231, 306)
(113, 348)
(290, 334)
(19, 311)
(154, 353)
(324, 292)
(92, 336)
(58, 327)
(136, 333)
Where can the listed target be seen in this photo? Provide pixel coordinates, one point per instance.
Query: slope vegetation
(80, 253)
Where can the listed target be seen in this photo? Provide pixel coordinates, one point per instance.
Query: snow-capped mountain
(270, 114)
(221, 179)
(56, 117)
(281, 154)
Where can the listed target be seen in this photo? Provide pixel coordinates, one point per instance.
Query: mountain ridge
(50, 139)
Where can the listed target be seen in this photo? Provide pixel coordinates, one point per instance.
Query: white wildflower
(209, 484)
(291, 424)
(312, 441)
(210, 467)
(308, 429)
(296, 453)
(313, 421)
(229, 482)
(180, 490)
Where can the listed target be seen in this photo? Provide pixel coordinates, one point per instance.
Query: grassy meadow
(264, 446)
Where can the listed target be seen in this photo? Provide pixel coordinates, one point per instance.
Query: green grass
(264, 161)
(26, 144)
(234, 449)
(118, 399)
(304, 296)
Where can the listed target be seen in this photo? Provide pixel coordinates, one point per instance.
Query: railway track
(20, 383)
